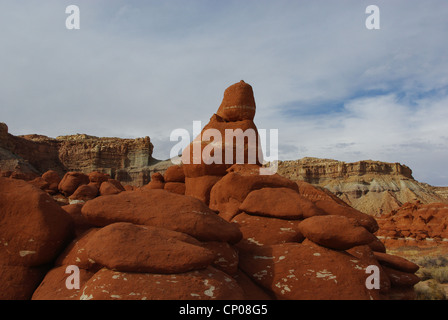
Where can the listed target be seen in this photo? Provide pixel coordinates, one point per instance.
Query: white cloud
(378, 128)
(145, 68)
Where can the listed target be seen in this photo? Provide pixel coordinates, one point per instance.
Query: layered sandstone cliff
(127, 160)
(372, 187)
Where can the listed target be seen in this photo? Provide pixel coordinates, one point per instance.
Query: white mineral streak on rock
(209, 291)
(254, 241)
(263, 257)
(24, 253)
(326, 275)
(259, 275)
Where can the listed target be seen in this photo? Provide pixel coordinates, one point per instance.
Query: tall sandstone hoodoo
(298, 242)
(206, 159)
(240, 235)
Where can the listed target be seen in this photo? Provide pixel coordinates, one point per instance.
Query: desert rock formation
(415, 224)
(241, 235)
(372, 187)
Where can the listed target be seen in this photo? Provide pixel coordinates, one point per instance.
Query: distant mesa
(127, 160)
(373, 187)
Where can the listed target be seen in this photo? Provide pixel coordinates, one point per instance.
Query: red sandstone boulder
(97, 178)
(235, 186)
(226, 257)
(367, 257)
(54, 287)
(156, 182)
(258, 231)
(117, 184)
(33, 227)
(334, 206)
(251, 290)
(377, 245)
(129, 187)
(175, 187)
(401, 279)
(130, 248)
(40, 183)
(200, 187)
(19, 282)
(111, 186)
(174, 173)
(365, 254)
(396, 262)
(71, 181)
(80, 222)
(307, 271)
(280, 203)
(402, 293)
(85, 192)
(230, 209)
(53, 179)
(206, 284)
(335, 232)
(76, 253)
(238, 103)
(160, 208)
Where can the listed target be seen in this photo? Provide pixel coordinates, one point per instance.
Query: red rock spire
(238, 103)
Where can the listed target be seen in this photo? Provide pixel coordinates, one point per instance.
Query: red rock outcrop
(33, 230)
(111, 186)
(174, 179)
(71, 181)
(211, 153)
(283, 203)
(127, 247)
(206, 284)
(415, 224)
(307, 271)
(53, 179)
(326, 231)
(157, 182)
(160, 208)
(241, 235)
(85, 192)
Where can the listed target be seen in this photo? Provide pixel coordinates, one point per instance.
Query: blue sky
(333, 88)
